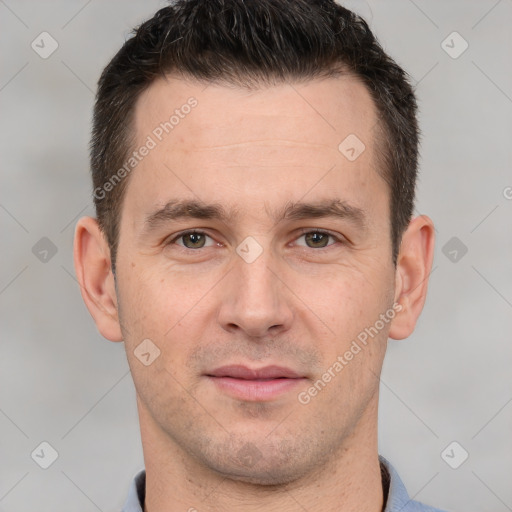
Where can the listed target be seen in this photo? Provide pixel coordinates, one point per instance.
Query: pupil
(195, 239)
(318, 239)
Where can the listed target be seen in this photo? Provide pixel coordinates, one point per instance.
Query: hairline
(248, 81)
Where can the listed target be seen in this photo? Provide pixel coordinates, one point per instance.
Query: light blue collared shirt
(398, 499)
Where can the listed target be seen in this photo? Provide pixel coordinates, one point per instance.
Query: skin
(299, 304)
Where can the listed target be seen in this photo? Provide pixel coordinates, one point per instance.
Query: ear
(414, 264)
(94, 273)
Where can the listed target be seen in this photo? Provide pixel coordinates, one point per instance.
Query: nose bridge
(256, 279)
(254, 299)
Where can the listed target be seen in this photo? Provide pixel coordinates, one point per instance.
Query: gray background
(62, 383)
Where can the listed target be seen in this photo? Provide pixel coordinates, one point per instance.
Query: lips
(244, 373)
(256, 385)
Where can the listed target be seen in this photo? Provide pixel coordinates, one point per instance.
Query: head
(254, 167)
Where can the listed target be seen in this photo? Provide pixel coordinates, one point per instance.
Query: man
(254, 167)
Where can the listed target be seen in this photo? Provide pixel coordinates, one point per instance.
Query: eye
(193, 240)
(317, 239)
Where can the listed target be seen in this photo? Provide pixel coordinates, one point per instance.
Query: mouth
(258, 385)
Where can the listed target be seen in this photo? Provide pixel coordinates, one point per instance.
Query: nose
(255, 299)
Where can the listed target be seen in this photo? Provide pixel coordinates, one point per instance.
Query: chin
(267, 475)
(262, 465)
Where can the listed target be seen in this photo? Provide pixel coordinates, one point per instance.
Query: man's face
(293, 296)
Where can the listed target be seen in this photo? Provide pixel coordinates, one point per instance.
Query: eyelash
(303, 232)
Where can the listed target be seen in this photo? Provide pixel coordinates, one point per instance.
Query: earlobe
(414, 265)
(94, 274)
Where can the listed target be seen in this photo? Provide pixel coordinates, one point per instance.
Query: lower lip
(256, 390)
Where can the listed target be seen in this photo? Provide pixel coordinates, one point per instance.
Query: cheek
(155, 301)
(353, 350)
(171, 309)
(344, 301)
(155, 309)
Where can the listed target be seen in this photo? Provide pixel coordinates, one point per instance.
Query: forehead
(228, 143)
(318, 111)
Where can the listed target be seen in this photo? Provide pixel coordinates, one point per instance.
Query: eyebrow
(175, 210)
(335, 208)
(186, 209)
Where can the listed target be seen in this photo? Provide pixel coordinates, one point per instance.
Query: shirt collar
(397, 497)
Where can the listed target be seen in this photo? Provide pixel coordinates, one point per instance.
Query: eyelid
(302, 232)
(336, 236)
(173, 238)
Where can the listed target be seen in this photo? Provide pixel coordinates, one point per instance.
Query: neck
(349, 481)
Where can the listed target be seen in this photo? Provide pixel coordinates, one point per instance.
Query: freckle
(133, 264)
